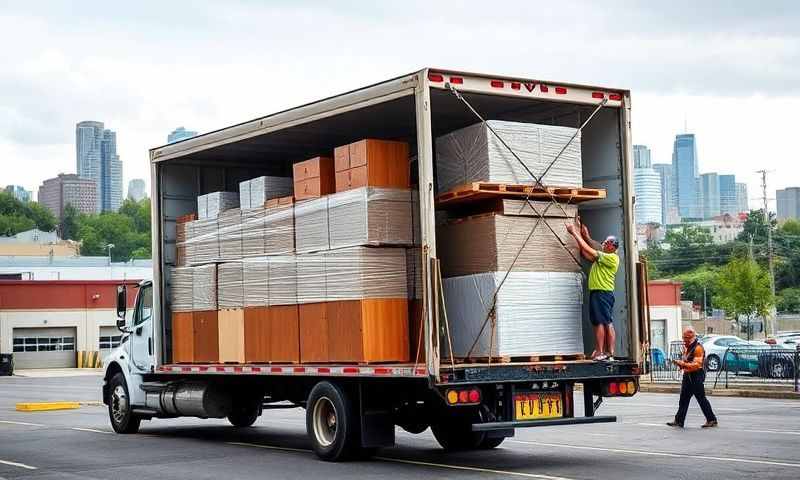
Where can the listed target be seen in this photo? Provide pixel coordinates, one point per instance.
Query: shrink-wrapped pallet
(370, 216)
(311, 278)
(230, 235)
(268, 187)
(279, 230)
(211, 205)
(362, 272)
(474, 154)
(244, 195)
(203, 245)
(204, 287)
(181, 289)
(414, 272)
(253, 232)
(256, 282)
(491, 242)
(283, 281)
(230, 285)
(536, 313)
(311, 225)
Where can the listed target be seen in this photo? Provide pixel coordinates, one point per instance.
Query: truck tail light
(598, 95)
(620, 388)
(435, 77)
(466, 396)
(615, 96)
(561, 90)
(456, 80)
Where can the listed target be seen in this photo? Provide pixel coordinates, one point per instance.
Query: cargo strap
(491, 314)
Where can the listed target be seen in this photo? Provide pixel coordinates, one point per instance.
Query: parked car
(715, 347)
(746, 357)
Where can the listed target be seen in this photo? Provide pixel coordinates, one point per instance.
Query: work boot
(710, 424)
(675, 424)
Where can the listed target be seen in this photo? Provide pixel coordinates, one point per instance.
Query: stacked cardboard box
(195, 329)
(255, 192)
(212, 204)
(313, 178)
(370, 216)
(371, 162)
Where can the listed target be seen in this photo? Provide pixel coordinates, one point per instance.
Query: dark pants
(693, 386)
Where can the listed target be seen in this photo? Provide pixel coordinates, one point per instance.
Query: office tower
(647, 187)
(179, 134)
(727, 195)
(710, 194)
(742, 200)
(19, 193)
(669, 195)
(68, 189)
(684, 161)
(788, 203)
(97, 160)
(136, 190)
(641, 157)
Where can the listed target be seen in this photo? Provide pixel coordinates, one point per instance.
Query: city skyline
(97, 160)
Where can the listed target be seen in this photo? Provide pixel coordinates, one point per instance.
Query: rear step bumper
(487, 427)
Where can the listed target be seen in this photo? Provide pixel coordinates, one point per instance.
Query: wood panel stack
(313, 178)
(195, 329)
(229, 233)
(255, 192)
(371, 162)
(183, 230)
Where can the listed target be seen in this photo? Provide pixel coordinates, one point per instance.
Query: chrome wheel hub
(119, 404)
(324, 421)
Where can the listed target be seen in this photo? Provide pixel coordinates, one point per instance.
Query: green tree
(70, 223)
(756, 226)
(128, 230)
(21, 216)
(700, 284)
(13, 224)
(788, 300)
(744, 289)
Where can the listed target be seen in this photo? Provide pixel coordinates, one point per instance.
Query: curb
(783, 395)
(46, 406)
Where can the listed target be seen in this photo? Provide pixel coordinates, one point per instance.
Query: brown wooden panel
(345, 335)
(182, 337)
(256, 335)
(284, 333)
(306, 169)
(314, 332)
(206, 336)
(231, 335)
(341, 158)
(385, 330)
(343, 181)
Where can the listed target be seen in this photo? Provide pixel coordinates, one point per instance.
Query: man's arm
(696, 363)
(586, 237)
(587, 251)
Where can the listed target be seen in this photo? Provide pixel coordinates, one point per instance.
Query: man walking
(605, 263)
(693, 384)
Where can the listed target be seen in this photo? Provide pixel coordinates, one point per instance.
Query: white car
(715, 347)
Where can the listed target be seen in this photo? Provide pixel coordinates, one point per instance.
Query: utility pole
(765, 198)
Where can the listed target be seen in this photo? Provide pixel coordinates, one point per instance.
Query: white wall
(672, 315)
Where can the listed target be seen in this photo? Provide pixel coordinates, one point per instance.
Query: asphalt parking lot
(757, 438)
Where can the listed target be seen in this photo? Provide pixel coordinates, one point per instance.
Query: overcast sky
(729, 70)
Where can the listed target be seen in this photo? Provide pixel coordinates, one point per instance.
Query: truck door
(141, 336)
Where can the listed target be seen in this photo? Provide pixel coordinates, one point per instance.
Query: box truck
(352, 408)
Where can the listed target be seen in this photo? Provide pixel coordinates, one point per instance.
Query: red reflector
(543, 88)
(474, 396)
(612, 388)
(497, 83)
(561, 90)
(598, 95)
(463, 396)
(623, 387)
(515, 85)
(323, 370)
(615, 96)
(456, 80)
(436, 77)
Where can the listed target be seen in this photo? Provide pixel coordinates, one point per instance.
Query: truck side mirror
(122, 305)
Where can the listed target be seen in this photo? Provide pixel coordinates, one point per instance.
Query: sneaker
(675, 424)
(710, 424)
(601, 357)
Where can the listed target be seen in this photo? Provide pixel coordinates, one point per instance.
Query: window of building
(107, 342)
(44, 344)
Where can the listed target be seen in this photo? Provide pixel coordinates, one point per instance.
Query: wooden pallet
(477, 191)
(564, 357)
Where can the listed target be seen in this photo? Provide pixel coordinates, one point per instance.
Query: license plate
(532, 406)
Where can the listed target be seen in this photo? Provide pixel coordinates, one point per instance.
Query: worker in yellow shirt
(605, 263)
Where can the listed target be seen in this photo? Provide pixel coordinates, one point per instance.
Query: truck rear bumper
(487, 427)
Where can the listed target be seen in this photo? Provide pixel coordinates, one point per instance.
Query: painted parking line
(660, 454)
(745, 430)
(420, 463)
(17, 464)
(27, 424)
(90, 430)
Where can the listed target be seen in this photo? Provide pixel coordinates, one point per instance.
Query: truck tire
(489, 443)
(244, 416)
(455, 434)
(119, 407)
(333, 425)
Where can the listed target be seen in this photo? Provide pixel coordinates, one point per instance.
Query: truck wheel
(333, 425)
(456, 434)
(244, 416)
(490, 443)
(119, 406)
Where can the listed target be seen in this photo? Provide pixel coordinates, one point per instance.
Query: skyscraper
(641, 157)
(179, 134)
(742, 200)
(669, 195)
(647, 185)
(97, 160)
(136, 190)
(68, 189)
(727, 195)
(788, 203)
(710, 194)
(19, 193)
(684, 161)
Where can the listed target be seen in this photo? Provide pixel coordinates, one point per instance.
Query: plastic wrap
(181, 289)
(490, 242)
(370, 216)
(473, 154)
(265, 188)
(204, 287)
(230, 285)
(283, 281)
(311, 279)
(253, 233)
(537, 313)
(202, 246)
(244, 195)
(311, 225)
(230, 235)
(361, 272)
(256, 282)
(279, 230)
(414, 272)
(212, 204)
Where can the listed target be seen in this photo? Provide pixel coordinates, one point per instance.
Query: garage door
(44, 348)
(109, 340)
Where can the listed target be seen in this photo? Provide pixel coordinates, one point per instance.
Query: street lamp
(109, 247)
